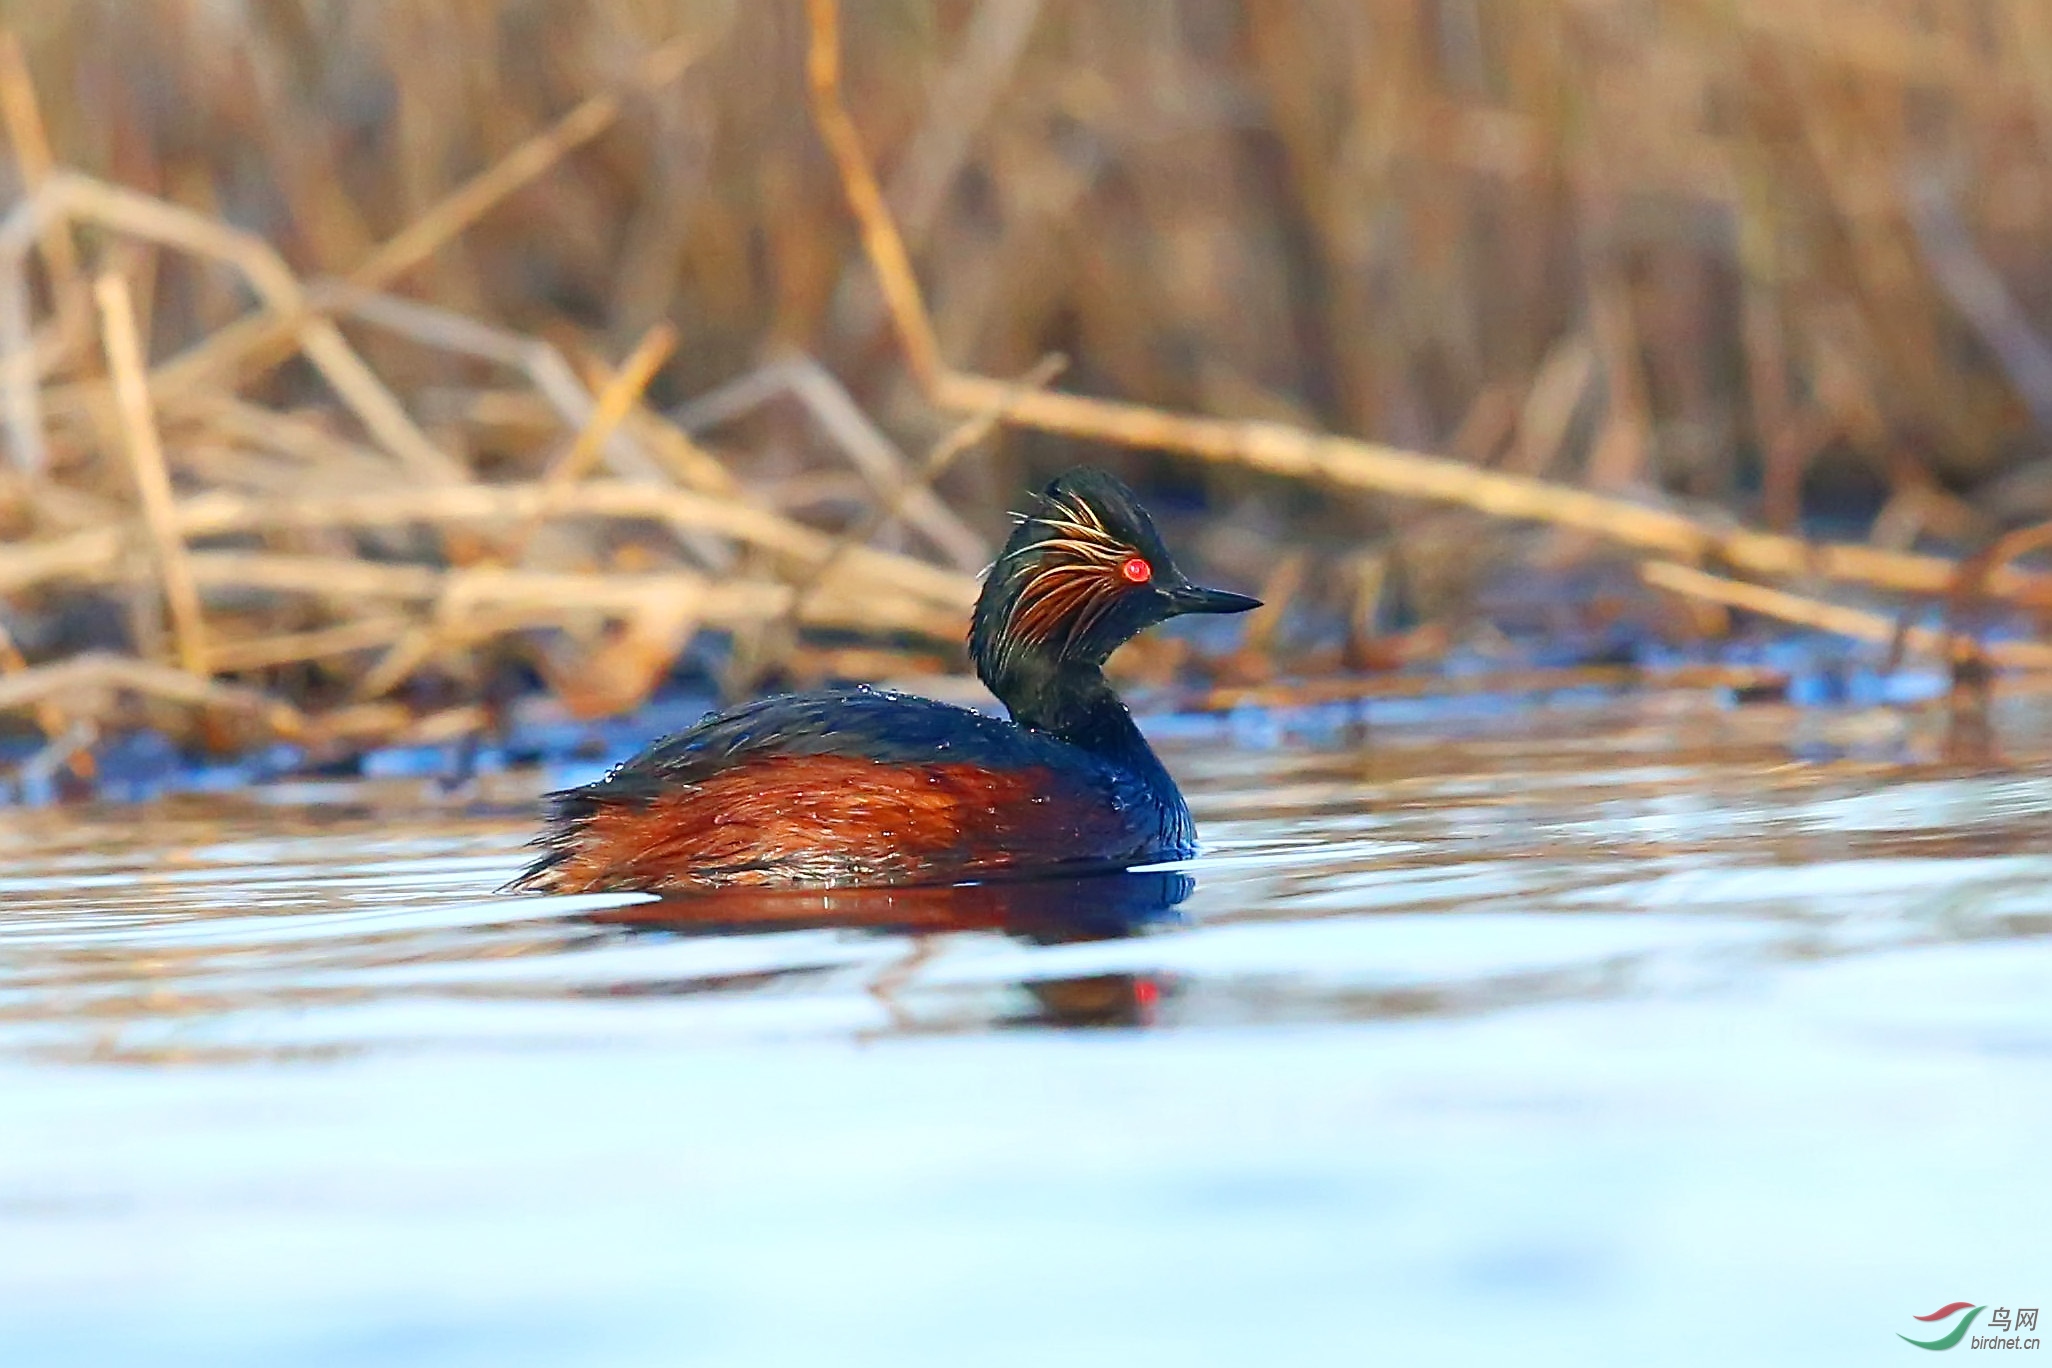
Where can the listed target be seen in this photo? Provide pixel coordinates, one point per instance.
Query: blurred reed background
(368, 364)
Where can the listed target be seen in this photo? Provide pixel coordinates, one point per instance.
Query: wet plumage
(846, 787)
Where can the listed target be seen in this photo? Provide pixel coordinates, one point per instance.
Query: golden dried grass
(414, 285)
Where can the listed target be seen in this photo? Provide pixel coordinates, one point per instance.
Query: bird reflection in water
(1036, 911)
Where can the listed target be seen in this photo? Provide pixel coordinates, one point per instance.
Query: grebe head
(1083, 573)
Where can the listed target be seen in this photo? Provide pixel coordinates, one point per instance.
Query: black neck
(1078, 704)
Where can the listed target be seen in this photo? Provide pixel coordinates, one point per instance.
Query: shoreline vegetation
(362, 370)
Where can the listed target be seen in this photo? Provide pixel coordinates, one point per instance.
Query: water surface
(1638, 1031)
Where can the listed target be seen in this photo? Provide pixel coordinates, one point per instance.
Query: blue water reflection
(1612, 1034)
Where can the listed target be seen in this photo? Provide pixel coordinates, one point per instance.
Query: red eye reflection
(1137, 570)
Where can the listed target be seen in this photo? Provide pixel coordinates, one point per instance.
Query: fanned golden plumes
(1073, 579)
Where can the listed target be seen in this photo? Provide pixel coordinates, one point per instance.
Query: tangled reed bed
(1642, 271)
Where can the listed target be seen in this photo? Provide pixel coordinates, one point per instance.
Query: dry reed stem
(970, 432)
(89, 557)
(321, 643)
(544, 366)
(482, 602)
(309, 446)
(1834, 618)
(482, 193)
(966, 434)
(23, 114)
(615, 401)
(723, 603)
(95, 555)
(1977, 571)
(646, 446)
(1970, 584)
(341, 579)
(533, 598)
(957, 108)
(417, 646)
(258, 342)
(688, 463)
(887, 469)
(96, 672)
(1977, 290)
(880, 237)
(67, 196)
(664, 454)
(977, 428)
(1281, 449)
(145, 455)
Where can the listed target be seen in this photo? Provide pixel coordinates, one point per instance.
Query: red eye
(1137, 570)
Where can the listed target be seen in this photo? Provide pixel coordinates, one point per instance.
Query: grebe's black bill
(1191, 598)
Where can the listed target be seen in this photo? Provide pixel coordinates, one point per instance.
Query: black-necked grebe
(855, 787)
